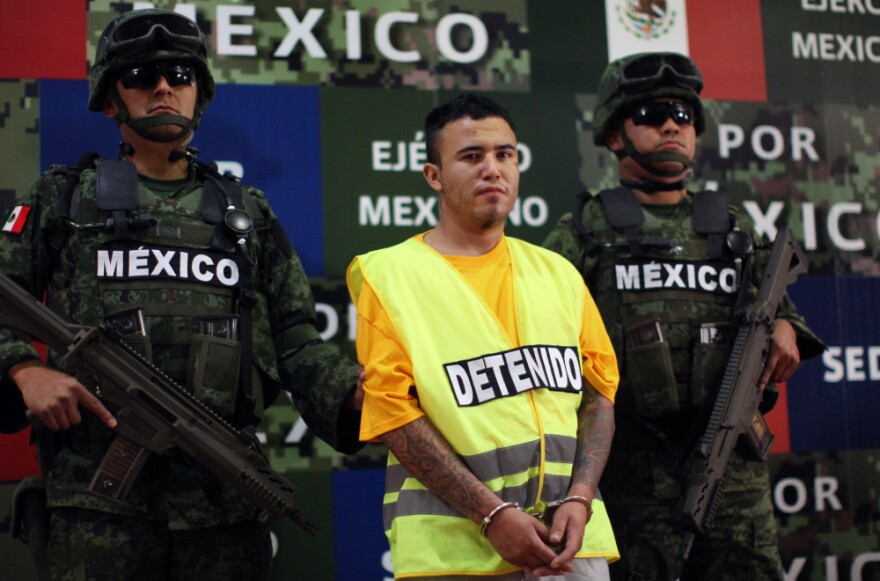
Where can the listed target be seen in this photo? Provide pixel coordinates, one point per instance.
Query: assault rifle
(154, 414)
(735, 415)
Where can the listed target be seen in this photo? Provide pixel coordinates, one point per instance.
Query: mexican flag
(14, 222)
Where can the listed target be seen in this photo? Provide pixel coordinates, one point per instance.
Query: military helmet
(143, 36)
(643, 77)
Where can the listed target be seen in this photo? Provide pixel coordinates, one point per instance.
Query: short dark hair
(467, 105)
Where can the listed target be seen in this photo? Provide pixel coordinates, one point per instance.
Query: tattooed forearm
(428, 457)
(595, 432)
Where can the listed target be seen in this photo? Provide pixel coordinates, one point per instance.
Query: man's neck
(630, 171)
(151, 157)
(456, 241)
(151, 160)
(669, 198)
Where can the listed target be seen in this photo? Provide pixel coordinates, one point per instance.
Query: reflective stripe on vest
(521, 444)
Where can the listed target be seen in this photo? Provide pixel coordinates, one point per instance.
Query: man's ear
(614, 140)
(431, 172)
(110, 106)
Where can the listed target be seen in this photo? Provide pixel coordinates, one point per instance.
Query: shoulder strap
(624, 213)
(58, 235)
(577, 215)
(712, 219)
(220, 193)
(117, 192)
(88, 160)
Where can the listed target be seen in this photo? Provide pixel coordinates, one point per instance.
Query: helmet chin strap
(647, 160)
(649, 186)
(143, 125)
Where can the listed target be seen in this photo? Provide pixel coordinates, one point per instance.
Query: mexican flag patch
(14, 222)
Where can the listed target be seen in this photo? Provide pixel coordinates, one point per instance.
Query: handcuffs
(545, 516)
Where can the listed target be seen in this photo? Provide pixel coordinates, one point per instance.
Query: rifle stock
(154, 413)
(735, 412)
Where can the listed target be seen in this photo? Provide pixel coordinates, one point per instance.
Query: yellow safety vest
(509, 411)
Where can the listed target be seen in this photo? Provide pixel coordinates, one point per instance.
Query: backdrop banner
(320, 103)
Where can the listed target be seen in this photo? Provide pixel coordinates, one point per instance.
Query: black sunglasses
(147, 76)
(655, 114)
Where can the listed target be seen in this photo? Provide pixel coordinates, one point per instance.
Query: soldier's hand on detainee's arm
(355, 401)
(521, 540)
(784, 356)
(55, 397)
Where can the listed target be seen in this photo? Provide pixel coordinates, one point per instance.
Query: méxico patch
(508, 373)
(14, 221)
(133, 261)
(713, 277)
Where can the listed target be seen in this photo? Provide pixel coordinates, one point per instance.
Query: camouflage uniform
(64, 251)
(643, 483)
(287, 351)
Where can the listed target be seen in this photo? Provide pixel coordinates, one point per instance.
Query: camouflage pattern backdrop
(320, 104)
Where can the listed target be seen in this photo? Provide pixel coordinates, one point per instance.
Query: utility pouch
(708, 362)
(30, 520)
(215, 362)
(129, 324)
(649, 369)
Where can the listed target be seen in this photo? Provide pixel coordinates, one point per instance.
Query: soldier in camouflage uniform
(664, 265)
(198, 273)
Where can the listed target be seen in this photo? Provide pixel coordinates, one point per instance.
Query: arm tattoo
(595, 431)
(429, 458)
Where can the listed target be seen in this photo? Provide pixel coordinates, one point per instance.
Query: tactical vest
(666, 285)
(509, 410)
(154, 267)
